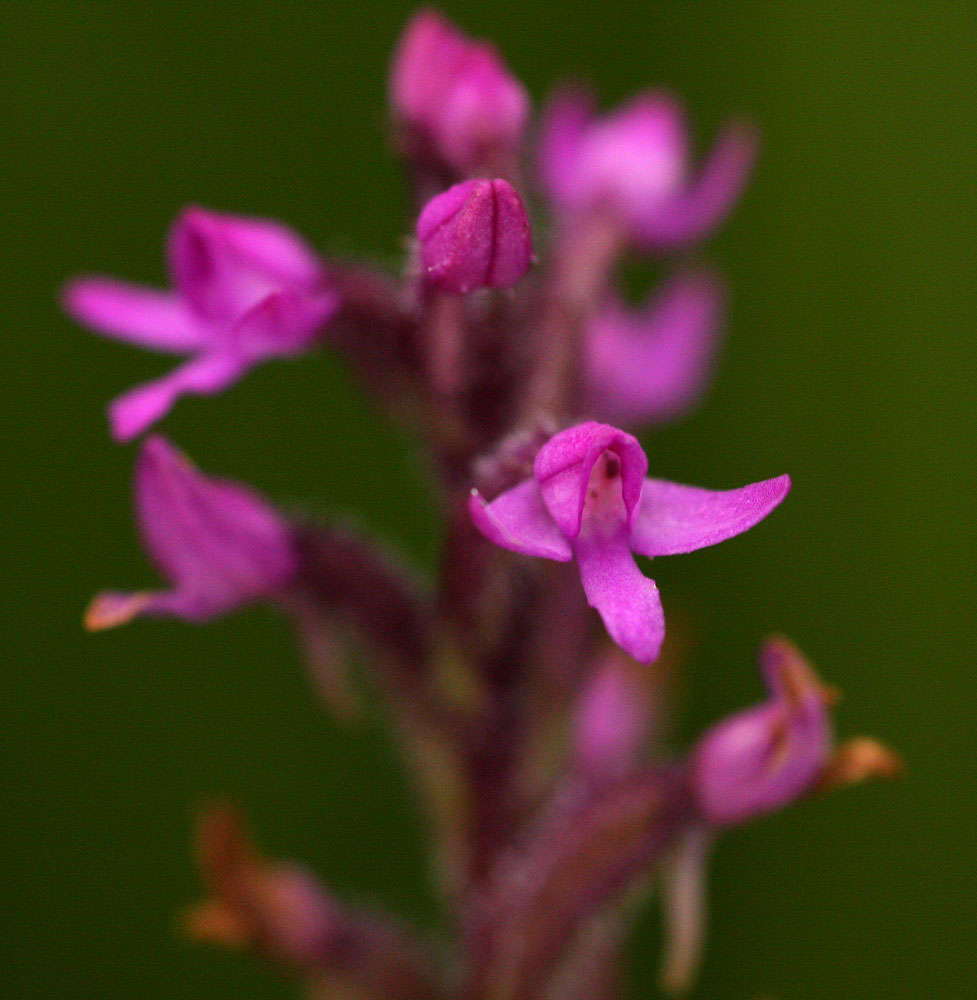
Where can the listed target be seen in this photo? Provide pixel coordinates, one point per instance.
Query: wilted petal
(650, 366)
(765, 757)
(627, 601)
(144, 316)
(219, 544)
(693, 213)
(671, 519)
(113, 608)
(518, 520)
(564, 465)
(138, 409)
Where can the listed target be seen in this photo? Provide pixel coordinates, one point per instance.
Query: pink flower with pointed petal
(244, 290)
(765, 757)
(652, 365)
(589, 500)
(220, 544)
(456, 95)
(634, 164)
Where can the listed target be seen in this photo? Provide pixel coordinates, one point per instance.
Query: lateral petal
(518, 520)
(653, 365)
(135, 314)
(671, 518)
(691, 215)
(138, 409)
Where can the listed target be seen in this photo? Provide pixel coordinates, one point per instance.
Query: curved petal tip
(111, 609)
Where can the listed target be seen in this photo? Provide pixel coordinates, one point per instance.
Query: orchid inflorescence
(536, 734)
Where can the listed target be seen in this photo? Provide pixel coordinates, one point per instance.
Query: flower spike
(244, 290)
(220, 544)
(589, 499)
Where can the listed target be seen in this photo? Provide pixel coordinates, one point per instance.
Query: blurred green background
(850, 362)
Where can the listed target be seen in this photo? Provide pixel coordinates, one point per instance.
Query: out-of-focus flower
(652, 365)
(278, 908)
(588, 499)
(612, 718)
(454, 97)
(244, 290)
(219, 544)
(765, 757)
(475, 235)
(634, 165)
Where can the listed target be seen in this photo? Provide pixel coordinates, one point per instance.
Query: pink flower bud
(475, 235)
(455, 95)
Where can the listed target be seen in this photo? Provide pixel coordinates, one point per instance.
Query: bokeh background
(850, 362)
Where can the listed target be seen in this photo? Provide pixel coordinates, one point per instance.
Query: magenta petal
(269, 246)
(627, 601)
(427, 52)
(672, 519)
(564, 464)
(636, 158)
(137, 315)
(651, 366)
(483, 113)
(517, 520)
(219, 543)
(138, 409)
(767, 756)
(224, 265)
(281, 324)
(566, 119)
(692, 214)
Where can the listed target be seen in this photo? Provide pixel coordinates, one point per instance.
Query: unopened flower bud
(765, 757)
(454, 97)
(475, 235)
